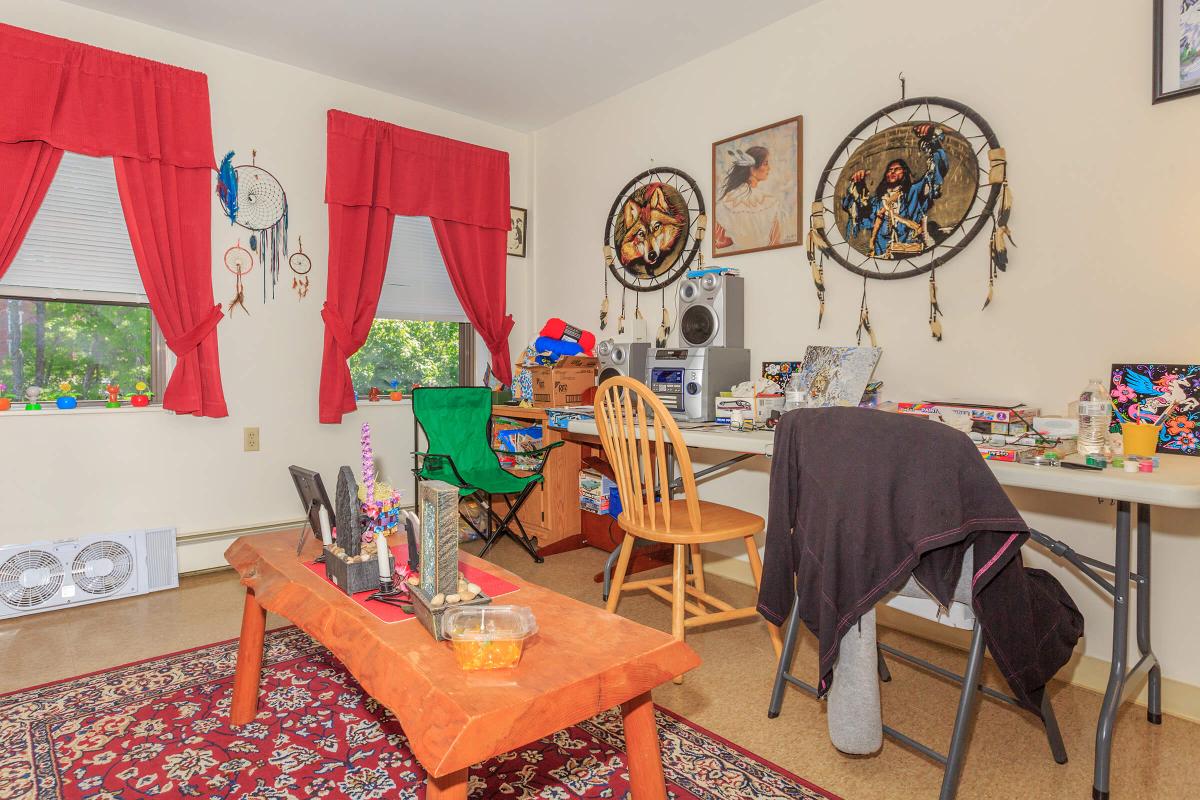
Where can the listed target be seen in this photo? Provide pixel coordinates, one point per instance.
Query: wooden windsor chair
(636, 431)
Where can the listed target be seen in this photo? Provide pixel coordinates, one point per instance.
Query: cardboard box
(978, 413)
(594, 506)
(758, 406)
(564, 382)
(594, 485)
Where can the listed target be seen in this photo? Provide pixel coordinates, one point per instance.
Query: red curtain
(359, 240)
(462, 187)
(154, 121)
(167, 210)
(26, 170)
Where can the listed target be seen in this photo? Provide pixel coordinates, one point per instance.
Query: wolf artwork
(651, 230)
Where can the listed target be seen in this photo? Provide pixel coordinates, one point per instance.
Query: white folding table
(1175, 484)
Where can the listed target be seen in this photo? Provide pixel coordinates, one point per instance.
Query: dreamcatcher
(904, 193)
(254, 199)
(240, 262)
(651, 236)
(300, 265)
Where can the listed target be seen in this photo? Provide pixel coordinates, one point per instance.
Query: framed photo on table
(1176, 48)
(756, 180)
(518, 231)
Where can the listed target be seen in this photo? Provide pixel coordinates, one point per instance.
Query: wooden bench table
(582, 661)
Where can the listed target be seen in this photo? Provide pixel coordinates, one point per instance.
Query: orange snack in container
(489, 637)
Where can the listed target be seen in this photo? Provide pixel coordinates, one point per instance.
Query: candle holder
(390, 593)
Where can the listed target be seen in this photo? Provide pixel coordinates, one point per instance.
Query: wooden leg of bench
(249, 662)
(447, 787)
(646, 780)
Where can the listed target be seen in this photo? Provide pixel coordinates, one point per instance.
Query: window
(420, 335)
(72, 305)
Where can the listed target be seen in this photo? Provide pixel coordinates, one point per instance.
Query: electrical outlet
(250, 440)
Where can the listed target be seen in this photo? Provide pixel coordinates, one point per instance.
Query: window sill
(381, 403)
(54, 411)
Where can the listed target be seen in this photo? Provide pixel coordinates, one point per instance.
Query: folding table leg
(1120, 649)
(964, 718)
(1154, 680)
(785, 660)
(249, 662)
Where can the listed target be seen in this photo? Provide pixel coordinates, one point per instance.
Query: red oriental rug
(160, 729)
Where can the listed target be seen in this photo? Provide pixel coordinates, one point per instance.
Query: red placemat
(489, 583)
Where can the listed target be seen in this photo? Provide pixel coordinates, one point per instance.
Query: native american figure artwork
(756, 189)
(906, 191)
(652, 235)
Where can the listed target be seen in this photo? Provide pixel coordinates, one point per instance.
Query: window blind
(78, 242)
(416, 285)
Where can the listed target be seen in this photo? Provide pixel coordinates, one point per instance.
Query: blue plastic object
(614, 502)
(557, 347)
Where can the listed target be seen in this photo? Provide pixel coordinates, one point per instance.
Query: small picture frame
(1176, 49)
(518, 233)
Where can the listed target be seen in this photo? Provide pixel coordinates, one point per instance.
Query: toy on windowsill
(113, 390)
(141, 397)
(395, 394)
(5, 400)
(66, 400)
(373, 395)
(32, 394)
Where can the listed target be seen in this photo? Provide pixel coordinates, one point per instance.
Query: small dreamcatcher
(300, 265)
(254, 199)
(240, 262)
(651, 236)
(906, 191)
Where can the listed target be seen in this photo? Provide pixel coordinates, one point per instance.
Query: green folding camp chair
(457, 424)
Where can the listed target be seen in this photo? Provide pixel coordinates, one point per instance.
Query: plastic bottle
(1095, 417)
(793, 394)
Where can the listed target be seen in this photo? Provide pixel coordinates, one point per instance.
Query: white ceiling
(520, 63)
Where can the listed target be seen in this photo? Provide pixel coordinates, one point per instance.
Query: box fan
(46, 575)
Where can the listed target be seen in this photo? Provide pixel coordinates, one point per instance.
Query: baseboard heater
(43, 576)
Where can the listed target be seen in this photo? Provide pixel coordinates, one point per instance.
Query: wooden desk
(582, 661)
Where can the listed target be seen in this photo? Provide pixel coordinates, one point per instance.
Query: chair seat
(497, 481)
(717, 524)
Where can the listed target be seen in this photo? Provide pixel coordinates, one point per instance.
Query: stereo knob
(693, 388)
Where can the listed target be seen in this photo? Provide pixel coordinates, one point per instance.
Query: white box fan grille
(45, 575)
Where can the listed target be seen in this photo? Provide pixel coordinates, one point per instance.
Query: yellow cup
(1140, 438)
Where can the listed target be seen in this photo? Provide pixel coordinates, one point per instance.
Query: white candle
(385, 561)
(326, 534)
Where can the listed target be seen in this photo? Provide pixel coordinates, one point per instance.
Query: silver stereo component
(712, 311)
(622, 358)
(689, 379)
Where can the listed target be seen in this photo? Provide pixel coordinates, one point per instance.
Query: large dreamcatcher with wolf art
(254, 199)
(653, 233)
(905, 192)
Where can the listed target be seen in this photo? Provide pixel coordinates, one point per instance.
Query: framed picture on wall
(1176, 48)
(517, 233)
(756, 189)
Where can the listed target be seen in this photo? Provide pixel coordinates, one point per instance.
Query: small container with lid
(489, 637)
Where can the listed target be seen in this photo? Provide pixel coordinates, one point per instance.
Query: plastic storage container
(489, 637)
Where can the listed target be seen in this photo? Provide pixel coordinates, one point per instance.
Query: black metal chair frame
(497, 526)
(967, 706)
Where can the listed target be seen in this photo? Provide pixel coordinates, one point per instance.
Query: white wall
(73, 474)
(1105, 188)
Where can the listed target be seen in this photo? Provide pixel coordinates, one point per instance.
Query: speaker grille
(698, 326)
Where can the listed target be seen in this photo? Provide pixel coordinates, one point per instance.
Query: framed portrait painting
(1176, 48)
(518, 232)
(756, 189)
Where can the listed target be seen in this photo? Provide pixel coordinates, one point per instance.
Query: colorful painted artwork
(756, 189)
(1176, 48)
(1168, 394)
(837, 376)
(780, 372)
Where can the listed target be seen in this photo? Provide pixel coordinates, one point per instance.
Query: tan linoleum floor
(1008, 756)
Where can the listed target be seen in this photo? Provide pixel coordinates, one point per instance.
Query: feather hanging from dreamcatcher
(935, 311)
(864, 319)
(227, 184)
(664, 329)
(621, 319)
(817, 244)
(608, 262)
(1001, 236)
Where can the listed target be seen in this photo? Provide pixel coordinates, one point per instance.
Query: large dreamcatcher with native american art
(904, 193)
(254, 199)
(653, 233)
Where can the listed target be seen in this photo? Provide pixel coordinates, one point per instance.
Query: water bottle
(793, 394)
(1095, 417)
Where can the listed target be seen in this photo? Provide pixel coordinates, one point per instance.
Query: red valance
(414, 174)
(101, 103)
